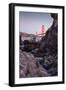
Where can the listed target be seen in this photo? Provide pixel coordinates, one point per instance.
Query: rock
(48, 48)
(49, 42)
(29, 67)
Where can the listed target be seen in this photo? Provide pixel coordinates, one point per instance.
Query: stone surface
(29, 67)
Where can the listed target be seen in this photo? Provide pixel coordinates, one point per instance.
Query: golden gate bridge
(43, 31)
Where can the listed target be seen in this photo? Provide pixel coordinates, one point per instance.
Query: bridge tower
(43, 29)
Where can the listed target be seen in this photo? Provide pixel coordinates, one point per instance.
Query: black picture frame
(12, 43)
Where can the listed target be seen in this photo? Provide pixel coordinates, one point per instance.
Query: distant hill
(26, 34)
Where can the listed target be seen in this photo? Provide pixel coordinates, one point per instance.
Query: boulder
(29, 66)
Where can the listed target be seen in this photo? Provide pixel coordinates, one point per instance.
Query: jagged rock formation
(49, 42)
(29, 67)
(49, 47)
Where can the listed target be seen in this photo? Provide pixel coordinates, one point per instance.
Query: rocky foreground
(40, 59)
(29, 67)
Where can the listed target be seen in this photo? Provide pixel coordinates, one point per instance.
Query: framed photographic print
(36, 44)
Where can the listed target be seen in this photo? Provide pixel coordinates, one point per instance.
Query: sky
(31, 22)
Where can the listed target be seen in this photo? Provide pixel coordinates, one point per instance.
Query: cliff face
(49, 45)
(49, 42)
